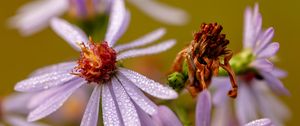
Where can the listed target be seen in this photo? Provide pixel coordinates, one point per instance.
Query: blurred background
(21, 55)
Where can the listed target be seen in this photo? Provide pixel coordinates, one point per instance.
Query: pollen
(97, 62)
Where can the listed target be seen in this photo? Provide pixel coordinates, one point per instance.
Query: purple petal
(162, 12)
(66, 66)
(223, 115)
(127, 109)
(18, 121)
(269, 51)
(151, 87)
(149, 38)
(260, 122)
(146, 120)
(262, 64)
(16, 103)
(109, 109)
(44, 81)
(166, 117)
(124, 26)
(90, 117)
(137, 95)
(147, 51)
(117, 19)
(55, 102)
(203, 109)
(279, 73)
(264, 39)
(245, 104)
(248, 38)
(274, 83)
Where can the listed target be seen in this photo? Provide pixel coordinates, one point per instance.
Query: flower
(11, 109)
(35, 16)
(118, 88)
(258, 79)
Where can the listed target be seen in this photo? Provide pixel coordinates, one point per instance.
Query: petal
(44, 81)
(35, 16)
(279, 73)
(149, 38)
(203, 109)
(246, 109)
(262, 64)
(18, 121)
(55, 102)
(167, 117)
(146, 120)
(109, 109)
(127, 109)
(274, 83)
(16, 103)
(90, 117)
(66, 66)
(151, 87)
(248, 42)
(260, 122)
(223, 114)
(137, 96)
(269, 51)
(147, 51)
(124, 27)
(117, 19)
(162, 12)
(264, 39)
(70, 33)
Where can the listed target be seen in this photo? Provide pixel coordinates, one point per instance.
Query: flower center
(97, 62)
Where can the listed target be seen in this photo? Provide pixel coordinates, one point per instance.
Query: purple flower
(118, 88)
(35, 16)
(256, 87)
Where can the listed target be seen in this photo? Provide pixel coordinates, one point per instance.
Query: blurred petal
(262, 64)
(260, 122)
(149, 38)
(109, 109)
(279, 73)
(246, 107)
(90, 117)
(248, 40)
(162, 12)
(36, 15)
(127, 109)
(203, 109)
(44, 81)
(269, 51)
(117, 19)
(16, 103)
(166, 116)
(18, 121)
(124, 26)
(137, 96)
(274, 83)
(151, 87)
(264, 39)
(55, 102)
(66, 66)
(223, 114)
(147, 51)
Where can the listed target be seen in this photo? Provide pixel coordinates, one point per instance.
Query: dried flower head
(97, 62)
(205, 54)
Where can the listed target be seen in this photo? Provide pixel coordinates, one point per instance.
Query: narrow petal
(19, 121)
(150, 86)
(44, 81)
(167, 117)
(146, 120)
(246, 106)
(109, 109)
(127, 109)
(260, 122)
(223, 114)
(269, 51)
(117, 18)
(162, 12)
(123, 27)
(55, 102)
(70, 33)
(16, 103)
(279, 73)
(274, 83)
(264, 39)
(149, 38)
(147, 51)
(248, 40)
(137, 96)
(262, 64)
(35, 16)
(203, 109)
(66, 66)
(90, 117)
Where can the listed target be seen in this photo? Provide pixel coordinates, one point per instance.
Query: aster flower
(118, 88)
(12, 108)
(258, 79)
(35, 16)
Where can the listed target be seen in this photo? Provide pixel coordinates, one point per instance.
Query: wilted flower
(98, 67)
(256, 76)
(36, 15)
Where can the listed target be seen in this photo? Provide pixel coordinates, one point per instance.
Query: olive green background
(21, 55)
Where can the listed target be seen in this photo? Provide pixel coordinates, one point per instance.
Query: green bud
(176, 80)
